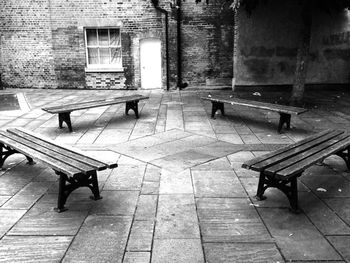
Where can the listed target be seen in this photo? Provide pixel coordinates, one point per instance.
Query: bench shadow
(263, 125)
(121, 119)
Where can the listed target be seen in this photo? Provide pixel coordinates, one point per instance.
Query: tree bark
(302, 55)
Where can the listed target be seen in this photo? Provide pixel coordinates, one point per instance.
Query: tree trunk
(302, 55)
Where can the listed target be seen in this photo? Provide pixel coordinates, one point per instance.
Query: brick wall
(26, 44)
(42, 42)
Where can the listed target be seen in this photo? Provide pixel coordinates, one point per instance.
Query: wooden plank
(92, 104)
(257, 104)
(264, 157)
(301, 166)
(51, 162)
(53, 146)
(298, 150)
(305, 154)
(114, 100)
(60, 158)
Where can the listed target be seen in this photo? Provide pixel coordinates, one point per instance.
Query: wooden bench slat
(60, 158)
(255, 161)
(73, 153)
(306, 155)
(301, 166)
(91, 104)
(295, 150)
(58, 166)
(257, 104)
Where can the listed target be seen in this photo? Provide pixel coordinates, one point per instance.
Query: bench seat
(64, 110)
(74, 168)
(284, 111)
(281, 168)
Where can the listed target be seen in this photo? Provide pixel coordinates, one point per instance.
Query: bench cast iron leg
(261, 188)
(65, 117)
(6, 151)
(132, 105)
(69, 184)
(217, 106)
(290, 191)
(345, 154)
(284, 119)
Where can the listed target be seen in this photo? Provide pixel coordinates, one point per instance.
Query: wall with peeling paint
(267, 40)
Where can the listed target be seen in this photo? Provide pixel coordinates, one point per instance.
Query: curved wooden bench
(283, 110)
(74, 168)
(281, 168)
(64, 111)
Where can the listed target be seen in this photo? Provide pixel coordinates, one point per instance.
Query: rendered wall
(266, 45)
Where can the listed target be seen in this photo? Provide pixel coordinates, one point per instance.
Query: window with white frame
(103, 48)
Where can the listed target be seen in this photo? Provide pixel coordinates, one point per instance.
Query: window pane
(104, 55)
(116, 56)
(103, 37)
(115, 37)
(93, 55)
(91, 35)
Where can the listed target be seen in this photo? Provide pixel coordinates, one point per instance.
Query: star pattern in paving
(176, 150)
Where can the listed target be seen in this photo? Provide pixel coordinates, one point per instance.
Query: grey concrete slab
(146, 207)
(137, 257)
(220, 164)
(116, 203)
(176, 217)
(238, 252)
(217, 184)
(341, 244)
(100, 239)
(324, 218)
(296, 236)
(183, 160)
(125, 177)
(230, 220)
(33, 249)
(8, 218)
(177, 251)
(141, 236)
(176, 183)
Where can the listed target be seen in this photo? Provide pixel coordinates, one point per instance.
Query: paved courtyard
(179, 194)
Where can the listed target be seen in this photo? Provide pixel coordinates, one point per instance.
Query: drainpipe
(156, 6)
(180, 84)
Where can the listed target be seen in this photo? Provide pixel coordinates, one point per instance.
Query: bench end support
(65, 117)
(132, 105)
(284, 119)
(217, 106)
(69, 184)
(291, 190)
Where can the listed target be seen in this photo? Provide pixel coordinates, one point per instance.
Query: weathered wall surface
(267, 43)
(330, 48)
(207, 34)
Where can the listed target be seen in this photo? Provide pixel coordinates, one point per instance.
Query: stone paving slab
(33, 249)
(100, 239)
(179, 193)
(238, 252)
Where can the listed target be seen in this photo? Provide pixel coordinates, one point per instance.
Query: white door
(151, 63)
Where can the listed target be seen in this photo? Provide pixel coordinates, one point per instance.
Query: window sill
(104, 70)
